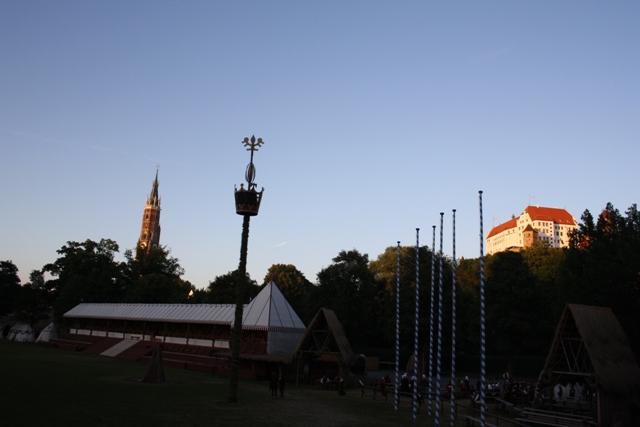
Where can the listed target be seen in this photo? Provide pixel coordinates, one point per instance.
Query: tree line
(526, 291)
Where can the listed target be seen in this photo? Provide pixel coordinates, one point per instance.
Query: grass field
(42, 386)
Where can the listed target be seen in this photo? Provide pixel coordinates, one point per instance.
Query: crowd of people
(335, 383)
(566, 392)
(503, 387)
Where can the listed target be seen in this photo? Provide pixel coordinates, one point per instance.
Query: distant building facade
(536, 224)
(150, 230)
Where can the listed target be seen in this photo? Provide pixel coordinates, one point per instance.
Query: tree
(582, 236)
(85, 272)
(349, 288)
(222, 290)
(33, 302)
(199, 296)
(513, 303)
(606, 272)
(157, 260)
(294, 286)
(36, 280)
(468, 312)
(154, 276)
(610, 223)
(544, 262)
(9, 286)
(632, 222)
(384, 270)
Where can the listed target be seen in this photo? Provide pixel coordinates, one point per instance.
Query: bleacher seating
(100, 345)
(138, 351)
(198, 358)
(533, 416)
(70, 343)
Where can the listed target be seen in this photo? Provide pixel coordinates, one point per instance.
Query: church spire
(150, 230)
(154, 199)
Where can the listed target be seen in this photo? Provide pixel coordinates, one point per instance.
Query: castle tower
(150, 231)
(529, 236)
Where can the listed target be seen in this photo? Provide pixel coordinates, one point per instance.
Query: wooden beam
(577, 374)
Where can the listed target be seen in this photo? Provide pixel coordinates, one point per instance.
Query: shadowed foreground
(44, 386)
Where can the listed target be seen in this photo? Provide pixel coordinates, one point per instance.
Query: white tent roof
(192, 313)
(269, 309)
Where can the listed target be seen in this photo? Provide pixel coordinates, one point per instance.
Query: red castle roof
(512, 223)
(559, 216)
(537, 213)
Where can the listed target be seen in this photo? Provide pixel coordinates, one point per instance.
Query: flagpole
(396, 397)
(452, 401)
(416, 332)
(433, 278)
(436, 420)
(483, 407)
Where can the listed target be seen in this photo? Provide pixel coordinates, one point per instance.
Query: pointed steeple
(150, 230)
(154, 199)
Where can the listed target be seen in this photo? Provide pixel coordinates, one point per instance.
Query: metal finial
(252, 144)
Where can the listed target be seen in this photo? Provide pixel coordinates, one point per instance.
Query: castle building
(536, 224)
(150, 230)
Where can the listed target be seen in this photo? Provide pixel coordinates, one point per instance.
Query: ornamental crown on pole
(252, 145)
(248, 200)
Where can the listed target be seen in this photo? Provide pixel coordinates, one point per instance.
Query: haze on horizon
(376, 117)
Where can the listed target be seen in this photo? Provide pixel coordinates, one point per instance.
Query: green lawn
(48, 387)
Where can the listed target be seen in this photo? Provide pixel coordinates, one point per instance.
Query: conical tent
(271, 311)
(47, 333)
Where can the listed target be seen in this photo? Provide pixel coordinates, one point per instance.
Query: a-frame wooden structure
(591, 348)
(324, 348)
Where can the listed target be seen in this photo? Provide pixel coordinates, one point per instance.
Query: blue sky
(376, 116)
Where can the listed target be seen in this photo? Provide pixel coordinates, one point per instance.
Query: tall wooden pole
(431, 307)
(452, 402)
(438, 401)
(236, 332)
(247, 204)
(396, 395)
(416, 335)
(483, 373)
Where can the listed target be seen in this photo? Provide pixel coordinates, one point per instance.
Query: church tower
(150, 231)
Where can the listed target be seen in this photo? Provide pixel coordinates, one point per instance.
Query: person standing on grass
(340, 384)
(273, 384)
(281, 381)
